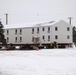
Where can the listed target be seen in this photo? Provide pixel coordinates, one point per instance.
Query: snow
(26, 25)
(41, 62)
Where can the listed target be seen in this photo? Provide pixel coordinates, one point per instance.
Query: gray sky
(22, 11)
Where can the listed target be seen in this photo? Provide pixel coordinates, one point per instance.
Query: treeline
(2, 37)
(74, 35)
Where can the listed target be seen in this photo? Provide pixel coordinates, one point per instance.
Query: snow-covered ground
(41, 62)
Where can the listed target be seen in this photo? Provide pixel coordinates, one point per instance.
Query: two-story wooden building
(40, 33)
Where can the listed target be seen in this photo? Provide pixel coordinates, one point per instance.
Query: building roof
(27, 25)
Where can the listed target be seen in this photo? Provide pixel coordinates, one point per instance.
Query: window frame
(7, 32)
(56, 37)
(20, 31)
(15, 31)
(20, 39)
(68, 37)
(68, 28)
(48, 37)
(37, 30)
(43, 37)
(56, 28)
(32, 30)
(43, 29)
(48, 29)
(15, 39)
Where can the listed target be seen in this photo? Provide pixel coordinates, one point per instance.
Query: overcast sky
(22, 11)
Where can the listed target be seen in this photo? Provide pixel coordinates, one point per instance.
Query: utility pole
(6, 18)
(70, 20)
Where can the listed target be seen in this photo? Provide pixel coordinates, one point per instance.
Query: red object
(37, 48)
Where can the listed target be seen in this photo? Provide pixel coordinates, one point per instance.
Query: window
(7, 32)
(32, 30)
(20, 39)
(43, 29)
(56, 28)
(15, 39)
(32, 39)
(68, 29)
(20, 31)
(7, 39)
(37, 30)
(48, 37)
(48, 29)
(16, 31)
(56, 37)
(68, 37)
(43, 37)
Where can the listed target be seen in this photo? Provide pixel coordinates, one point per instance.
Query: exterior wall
(27, 35)
(42, 33)
(62, 32)
(11, 35)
